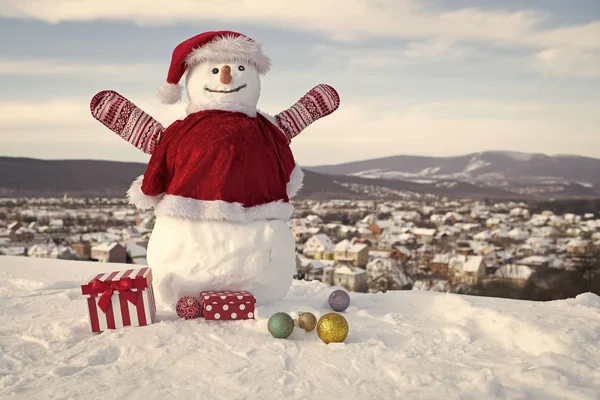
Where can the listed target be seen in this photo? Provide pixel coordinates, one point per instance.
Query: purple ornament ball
(339, 300)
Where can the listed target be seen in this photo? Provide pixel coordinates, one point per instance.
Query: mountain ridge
(33, 177)
(499, 169)
(505, 152)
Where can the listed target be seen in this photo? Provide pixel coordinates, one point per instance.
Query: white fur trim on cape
(230, 48)
(269, 117)
(236, 107)
(296, 182)
(188, 208)
(169, 93)
(138, 198)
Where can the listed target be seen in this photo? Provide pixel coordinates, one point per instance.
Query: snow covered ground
(406, 345)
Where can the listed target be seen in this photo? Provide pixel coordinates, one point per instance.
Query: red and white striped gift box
(120, 298)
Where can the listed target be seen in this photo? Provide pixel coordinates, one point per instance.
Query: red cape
(221, 155)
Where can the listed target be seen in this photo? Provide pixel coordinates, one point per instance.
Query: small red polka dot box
(227, 305)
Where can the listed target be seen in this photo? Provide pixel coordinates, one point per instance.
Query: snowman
(219, 180)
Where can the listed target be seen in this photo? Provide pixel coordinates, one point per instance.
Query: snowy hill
(501, 169)
(405, 345)
(482, 175)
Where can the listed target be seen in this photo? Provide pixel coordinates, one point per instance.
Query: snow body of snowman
(220, 179)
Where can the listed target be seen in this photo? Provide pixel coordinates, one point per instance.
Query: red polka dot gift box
(227, 305)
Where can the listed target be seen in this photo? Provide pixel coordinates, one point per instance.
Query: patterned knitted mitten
(319, 102)
(126, 120)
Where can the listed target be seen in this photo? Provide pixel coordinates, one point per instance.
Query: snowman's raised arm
(127, 120)
(317, 103)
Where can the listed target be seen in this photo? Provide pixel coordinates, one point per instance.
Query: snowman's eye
(215, 70)
(241, 68)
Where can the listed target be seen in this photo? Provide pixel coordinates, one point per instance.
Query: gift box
(227, 305)
(120, 298)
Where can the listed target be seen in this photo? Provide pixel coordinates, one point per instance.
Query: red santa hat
(219, 46)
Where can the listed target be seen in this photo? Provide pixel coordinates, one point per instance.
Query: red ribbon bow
(123, 287)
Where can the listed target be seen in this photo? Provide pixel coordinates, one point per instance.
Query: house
(535, 261)
(62, 253)
(130, 233)
(440, 263)
(302, 233)
(351, 278)
(83, 250)
(56, 225)
(109, 252)
(467, 269)
(518, 234)
(483, 236)
(387, 242)
(5, 233)
(312, 270)
(41, 250)
(525, 251)
(577, 246)
(17, 232)
(515, 275)
(137, 250)
(464, 248)
(379, 226)
(403, 253)
(366, 233)
(313, 220)
(384, 274)
(346, 231)
(26, 234)
(318, 246)
(423, 234)
(504, 257)
(14, 226)
(356, 254)
(394, 254)
(500, 234)
(488, 253)
(492, 222)
(538, 244)
(453, 217)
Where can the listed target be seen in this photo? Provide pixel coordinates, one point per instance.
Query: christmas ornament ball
(281, 325)
(332, 327)
(307, 321)
(339, 300)
(188, 307)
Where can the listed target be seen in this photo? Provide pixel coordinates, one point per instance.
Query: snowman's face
(226, 82)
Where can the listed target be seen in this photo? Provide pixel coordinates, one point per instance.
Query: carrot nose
(226, 74)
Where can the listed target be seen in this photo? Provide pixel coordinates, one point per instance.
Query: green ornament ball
(281, 325)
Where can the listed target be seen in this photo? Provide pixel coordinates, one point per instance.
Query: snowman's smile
(237, 89)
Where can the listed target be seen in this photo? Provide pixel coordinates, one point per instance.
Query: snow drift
(408, 344)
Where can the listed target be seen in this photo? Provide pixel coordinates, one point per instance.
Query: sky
(429, 77)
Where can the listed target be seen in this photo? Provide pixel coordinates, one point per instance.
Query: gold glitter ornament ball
(307, 321)
(332, 327)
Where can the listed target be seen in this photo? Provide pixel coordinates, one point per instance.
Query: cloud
(346, 20)
(561, 61)
(435, 50)
(63, 128)
(50, 67)
(361, 57)
(360, 131)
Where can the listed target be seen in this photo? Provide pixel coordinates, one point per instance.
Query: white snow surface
(402, 345)
(474, 164)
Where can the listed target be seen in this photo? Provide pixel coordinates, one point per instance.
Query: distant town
(500, 249)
